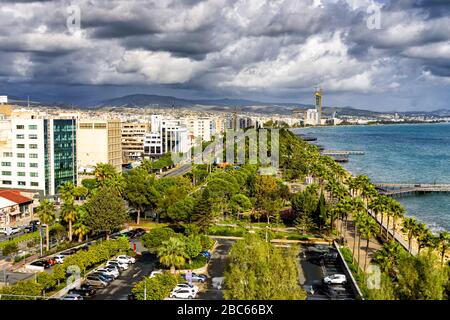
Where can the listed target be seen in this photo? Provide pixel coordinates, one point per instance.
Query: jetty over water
(342, 152)
(396, 189)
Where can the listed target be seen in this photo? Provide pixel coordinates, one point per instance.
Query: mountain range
(226, 104)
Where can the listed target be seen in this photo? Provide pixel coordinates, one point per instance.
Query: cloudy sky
(379, 55)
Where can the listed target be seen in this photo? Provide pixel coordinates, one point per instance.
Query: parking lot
(121, 287)
(318, 262)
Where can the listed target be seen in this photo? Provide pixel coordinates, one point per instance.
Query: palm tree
(424, 236)
(172, 253)
(80, 229)
(69, 214)
(398, 212)
(368, 230)
(46, 214)
(444, 242)
(387, 256)
(104, 171)
(409, 226)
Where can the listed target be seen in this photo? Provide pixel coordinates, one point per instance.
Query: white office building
(38, 155)
(172, 136)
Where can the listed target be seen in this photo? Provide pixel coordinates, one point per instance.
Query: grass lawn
(147, 224)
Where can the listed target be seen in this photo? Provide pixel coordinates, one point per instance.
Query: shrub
(206, 242)
(196, 263)
(227, 231)
(156, 288)
(10, 249)
(153, 239)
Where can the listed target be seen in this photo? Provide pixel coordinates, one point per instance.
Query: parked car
(68, 252)
(185, 286)
(72, 297)
(197, 277)
(97, 281)
(59, 258)
(183, 294)
(126, 259)
(206, 254)
(155, 272)
(32, 226)
(41, 263)
(108, 278)
(85, 290)
(335, 279)
(118, 264)
(109, 271)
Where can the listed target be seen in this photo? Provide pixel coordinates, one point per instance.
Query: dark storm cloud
(240, 48)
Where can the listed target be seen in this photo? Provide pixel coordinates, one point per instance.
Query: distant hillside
(156, 101)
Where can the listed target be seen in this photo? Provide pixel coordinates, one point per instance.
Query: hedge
(84, 260)
(227, 231)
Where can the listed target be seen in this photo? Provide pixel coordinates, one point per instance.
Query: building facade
(99, 141)
(14, 207)
(38, 154)
(133, 135)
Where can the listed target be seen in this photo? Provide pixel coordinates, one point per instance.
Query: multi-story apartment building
(38, 155)
(133, 135)
(99, 141)
(172, 136)
(201, 128)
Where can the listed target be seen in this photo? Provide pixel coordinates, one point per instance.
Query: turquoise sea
(404, 153)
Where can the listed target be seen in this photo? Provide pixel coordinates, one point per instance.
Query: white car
(116, 263)
(155, 272)
(72, 297)
(108, 271)
(185, 286)
(126, 259)
(335, 279)
(59, 258)
(183, 294)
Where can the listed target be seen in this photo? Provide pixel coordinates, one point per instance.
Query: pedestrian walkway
(349, 236)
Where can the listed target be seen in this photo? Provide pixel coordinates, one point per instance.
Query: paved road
(180, 171)
(216, 269)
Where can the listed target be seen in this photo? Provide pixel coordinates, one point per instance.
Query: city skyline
(377, 55)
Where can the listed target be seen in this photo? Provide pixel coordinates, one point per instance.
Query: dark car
(85, 290)
(41, 263)
(140, 232)
(336, 292)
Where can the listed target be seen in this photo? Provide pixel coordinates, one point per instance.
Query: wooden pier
(397, 189)
(342, 152)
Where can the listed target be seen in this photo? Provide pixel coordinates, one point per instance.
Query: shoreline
(431, 223)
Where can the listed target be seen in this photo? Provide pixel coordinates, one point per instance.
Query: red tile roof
(14, 196)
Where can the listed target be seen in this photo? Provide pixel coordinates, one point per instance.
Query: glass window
(33, 146)
(20, 146)
(20, 136)
(34, 184)
(21, 174)
(20, 127)
(21, 164)
(33, 165)
(33, 155)
(6, 173)
(32, 127)
(7, 154)
(33, 136)
(6, 164)
(6, 182)
(33, 174)
(21, 155)
(22, 183)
